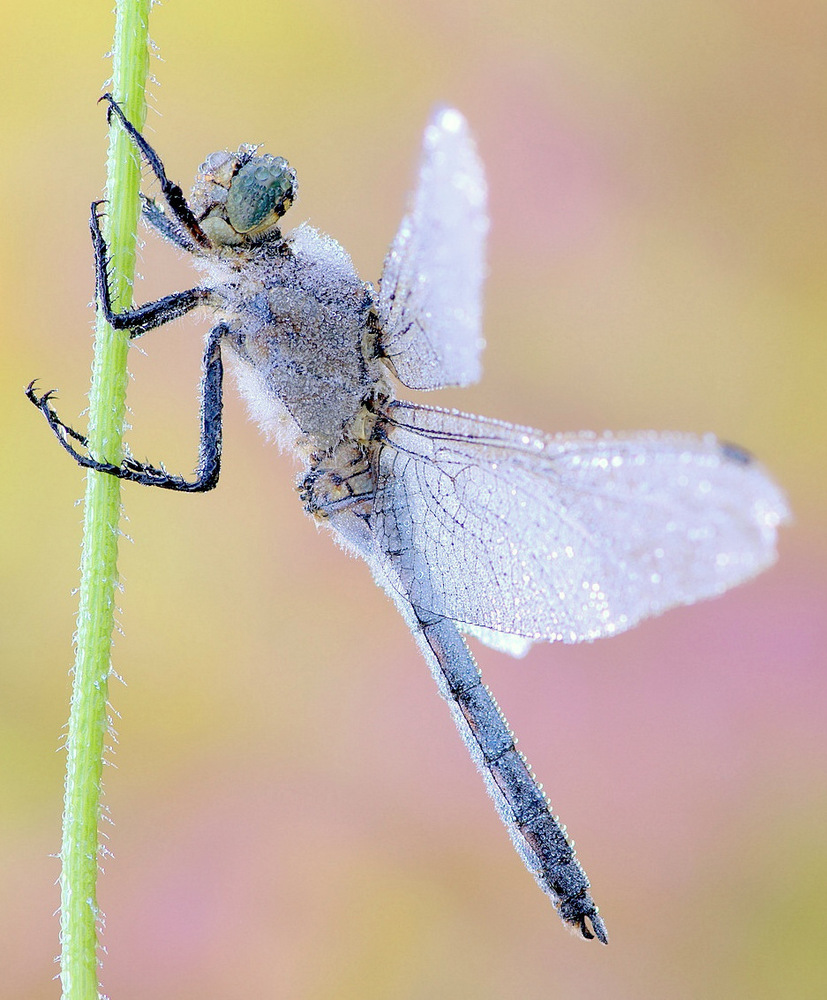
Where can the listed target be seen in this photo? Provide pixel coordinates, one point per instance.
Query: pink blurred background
(294, 815)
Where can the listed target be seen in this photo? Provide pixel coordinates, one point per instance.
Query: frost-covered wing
(430, 295)
(566, 537)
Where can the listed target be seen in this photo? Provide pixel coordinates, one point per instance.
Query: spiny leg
(209, 451)
(536, 833)
(150, 315)
(173, 195)
(157, 218)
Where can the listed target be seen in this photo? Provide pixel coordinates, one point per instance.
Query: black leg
(172, 193)
(209, 452)
(145, 317)
(155, 217)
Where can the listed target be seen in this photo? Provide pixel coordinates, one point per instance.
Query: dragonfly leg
(141, 318)
(537, 834)
(173, 195)
(155, 217)
(209, 454)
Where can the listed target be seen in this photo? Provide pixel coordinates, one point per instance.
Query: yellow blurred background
(293, 813)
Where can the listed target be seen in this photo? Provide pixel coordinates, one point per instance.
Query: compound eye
(260, 193)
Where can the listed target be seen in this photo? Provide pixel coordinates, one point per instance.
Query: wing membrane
(430, 295)
(567, 537)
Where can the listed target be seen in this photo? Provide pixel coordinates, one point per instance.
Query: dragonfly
(474, 527)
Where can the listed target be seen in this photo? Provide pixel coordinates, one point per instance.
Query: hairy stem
(89, 720)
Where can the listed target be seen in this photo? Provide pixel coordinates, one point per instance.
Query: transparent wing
(430, 295)
(566, 537)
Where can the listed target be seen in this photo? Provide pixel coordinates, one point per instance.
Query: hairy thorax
(301, 329)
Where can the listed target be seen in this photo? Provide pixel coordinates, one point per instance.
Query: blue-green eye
(260, 193)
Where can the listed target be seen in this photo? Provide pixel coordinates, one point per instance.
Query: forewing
(430, 294)
(566, 537)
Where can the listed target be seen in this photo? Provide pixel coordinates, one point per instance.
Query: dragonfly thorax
(300, 322)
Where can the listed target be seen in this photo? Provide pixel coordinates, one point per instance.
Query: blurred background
(293, 813)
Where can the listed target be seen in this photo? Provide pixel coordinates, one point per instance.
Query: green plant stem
(88, 720)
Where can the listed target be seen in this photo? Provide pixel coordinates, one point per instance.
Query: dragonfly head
(240, 197)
